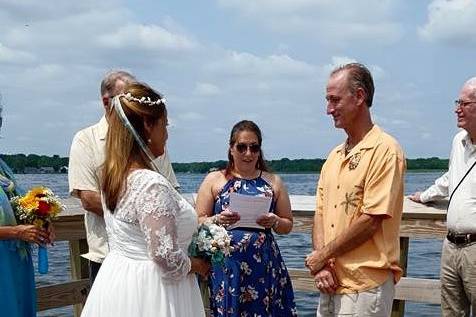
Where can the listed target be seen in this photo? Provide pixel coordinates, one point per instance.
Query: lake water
(423, 262)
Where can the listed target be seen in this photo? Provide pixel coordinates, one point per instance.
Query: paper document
(249, 208)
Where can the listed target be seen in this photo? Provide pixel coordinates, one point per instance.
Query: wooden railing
(419, 221)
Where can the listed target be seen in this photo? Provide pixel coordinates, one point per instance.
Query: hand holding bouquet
(211, 242)
(38, 207)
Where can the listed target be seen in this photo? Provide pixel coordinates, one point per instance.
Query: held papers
(249, 208)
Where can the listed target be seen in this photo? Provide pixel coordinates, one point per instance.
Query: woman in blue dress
(17, 283)
(254, 280)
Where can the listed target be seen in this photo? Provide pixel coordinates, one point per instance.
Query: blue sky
(220, 61)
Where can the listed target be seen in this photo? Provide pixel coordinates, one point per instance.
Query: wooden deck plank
(304, 205)
(407, 289)
(60, 295)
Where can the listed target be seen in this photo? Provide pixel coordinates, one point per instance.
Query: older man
(458, 257)
(359, 205)
(85, 160)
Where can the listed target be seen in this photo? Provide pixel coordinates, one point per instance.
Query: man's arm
(358, 232)
(439, 190)
(81, 174)
(91, 201)
(318, 232)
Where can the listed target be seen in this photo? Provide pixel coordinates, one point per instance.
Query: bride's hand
(200, 266)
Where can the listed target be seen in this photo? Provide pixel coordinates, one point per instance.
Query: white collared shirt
(86, 156)
(461, 216)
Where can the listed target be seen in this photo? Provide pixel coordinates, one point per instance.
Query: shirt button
(332, 225)
(338, 186)
(335, 206)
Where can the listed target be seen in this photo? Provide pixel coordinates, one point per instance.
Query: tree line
(21, 163)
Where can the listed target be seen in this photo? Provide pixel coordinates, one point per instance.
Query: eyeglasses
(462, 103)
(243, 147)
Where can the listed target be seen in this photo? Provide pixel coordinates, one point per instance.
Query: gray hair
(108, 84)
(358, 76)
(471, 84)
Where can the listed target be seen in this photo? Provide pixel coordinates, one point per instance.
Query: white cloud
(451, 22)
(329, 21)
(145, 37)
(246, 64)
(12, 56)
(336, 61)
(206, 89)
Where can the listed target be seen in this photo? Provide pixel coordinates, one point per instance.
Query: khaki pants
(374, 302)
(458, 279)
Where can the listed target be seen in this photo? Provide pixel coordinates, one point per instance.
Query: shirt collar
(467, 143)
(102, 128)
(368, 142)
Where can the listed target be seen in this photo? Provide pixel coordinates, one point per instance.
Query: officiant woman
(254, 280)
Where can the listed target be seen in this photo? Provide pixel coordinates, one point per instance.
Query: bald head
(113, 84)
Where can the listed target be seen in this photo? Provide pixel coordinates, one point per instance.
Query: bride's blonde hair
(122, 150)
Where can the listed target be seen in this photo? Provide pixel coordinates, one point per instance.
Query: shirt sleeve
(81, 170)
(384, 185)
(320, 193)
(159, 224)
(438, 190)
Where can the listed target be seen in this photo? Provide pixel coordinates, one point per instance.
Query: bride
(149, 225)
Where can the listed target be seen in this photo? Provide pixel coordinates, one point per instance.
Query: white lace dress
(146, 272)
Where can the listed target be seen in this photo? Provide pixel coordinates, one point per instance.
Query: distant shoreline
(43, 164)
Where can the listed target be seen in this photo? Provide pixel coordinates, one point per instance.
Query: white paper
(249, 208)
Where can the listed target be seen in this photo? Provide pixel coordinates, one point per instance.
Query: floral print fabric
(254, 280)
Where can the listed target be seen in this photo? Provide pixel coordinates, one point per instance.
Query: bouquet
(212, 242)
(39, 207)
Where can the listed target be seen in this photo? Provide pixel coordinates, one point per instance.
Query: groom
(359, 206)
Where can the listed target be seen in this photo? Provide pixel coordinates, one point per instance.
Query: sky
(221, 61)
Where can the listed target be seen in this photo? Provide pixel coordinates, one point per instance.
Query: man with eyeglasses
(359, 206)
(458, 257)
(85, 160)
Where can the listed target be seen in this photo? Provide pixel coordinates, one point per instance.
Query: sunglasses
(243, 147)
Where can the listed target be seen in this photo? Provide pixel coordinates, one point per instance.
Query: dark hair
(245, 125)
(358, 76)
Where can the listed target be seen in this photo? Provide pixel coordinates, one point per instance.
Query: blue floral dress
(254, 280)
(17, 280)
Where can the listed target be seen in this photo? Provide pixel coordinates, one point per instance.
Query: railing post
(79, 266)
(398, 307)
(204, 291)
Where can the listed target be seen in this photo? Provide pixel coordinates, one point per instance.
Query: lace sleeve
(158, 222)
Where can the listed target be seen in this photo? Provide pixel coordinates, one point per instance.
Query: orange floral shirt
(368, 180)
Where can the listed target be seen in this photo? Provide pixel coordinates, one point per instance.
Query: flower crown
(143, 100)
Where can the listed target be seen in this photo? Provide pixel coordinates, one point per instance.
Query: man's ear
(360, 94)
(106, 102)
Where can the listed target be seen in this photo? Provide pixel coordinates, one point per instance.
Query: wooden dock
(419, 221)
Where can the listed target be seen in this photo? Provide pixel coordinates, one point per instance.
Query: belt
(461, 238)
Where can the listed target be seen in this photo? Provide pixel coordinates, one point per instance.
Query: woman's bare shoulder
(271, 178)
